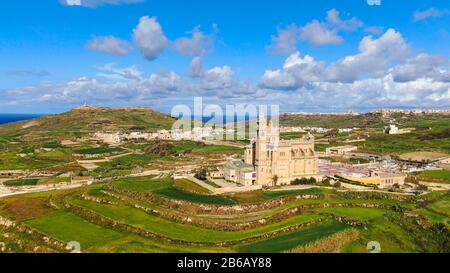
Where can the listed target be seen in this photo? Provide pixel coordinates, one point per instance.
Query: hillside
(90, 119)
(366, 120)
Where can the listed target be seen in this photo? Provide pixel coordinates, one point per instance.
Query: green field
(176, 193)
(21, 182)
(275, 194)
(354, 213)
(67, 227)
(294, 239)
(438, 176)
(98, 150)
(386, 225)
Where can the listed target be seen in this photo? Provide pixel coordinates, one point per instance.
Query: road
(5, 191)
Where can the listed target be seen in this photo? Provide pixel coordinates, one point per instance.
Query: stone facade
(280, 160)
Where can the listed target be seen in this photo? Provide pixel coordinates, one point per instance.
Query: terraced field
(149, 214)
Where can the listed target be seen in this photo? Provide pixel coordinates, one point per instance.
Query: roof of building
(389, 175)
(238, 164)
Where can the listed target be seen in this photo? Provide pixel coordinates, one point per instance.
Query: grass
(202, 149)
(176, 230)
(21, 182)
(10, 161)
(168, 188)
(190, 186)
(391, 236)
(176, 193)
(25, 207)
(128, 161)
(298, 238)
(248, 197)
(143, 183)
(67, 227)
(97, 150)
(438, 176)
(354, 213)
(399, 144)
(275, 194)
(292, 135)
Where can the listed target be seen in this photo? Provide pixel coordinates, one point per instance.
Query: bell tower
(262, 153)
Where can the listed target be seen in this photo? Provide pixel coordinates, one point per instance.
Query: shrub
(200, 174)
(304, 181)
(160, 148)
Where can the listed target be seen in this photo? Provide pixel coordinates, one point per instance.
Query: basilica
(270, 161)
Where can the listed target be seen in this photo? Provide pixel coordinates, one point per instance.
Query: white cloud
(129, 73)
(196, 68)
(429, 13)
(198, 45)
(381, 74)
(96, 3)
(149, 37)
(286, 40)
(317, 33)
(109, 45)
(373, 57)
(297, 72)
(348, 25)
(423, 66)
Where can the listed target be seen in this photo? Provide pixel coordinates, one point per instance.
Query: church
(279, 162)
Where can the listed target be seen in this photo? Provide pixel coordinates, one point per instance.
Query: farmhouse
(340, 150)
(394, 130)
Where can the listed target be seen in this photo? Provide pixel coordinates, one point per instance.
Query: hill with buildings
(87, 119)
(376, 119)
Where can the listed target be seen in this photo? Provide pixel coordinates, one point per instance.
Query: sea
(7, 118)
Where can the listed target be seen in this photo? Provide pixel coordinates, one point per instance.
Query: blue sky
(304, 55)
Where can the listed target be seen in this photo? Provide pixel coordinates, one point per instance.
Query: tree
(200, 174)
(332, 133)
(275, 180)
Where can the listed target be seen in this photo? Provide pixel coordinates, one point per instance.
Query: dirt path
(5, 191)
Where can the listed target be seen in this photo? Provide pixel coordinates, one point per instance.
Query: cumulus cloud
(199, 44)
(383, 73)
(109, 45)
(286, 40)
(429, 13)
(423, 66)
(218, 81)
(96, 3)
(317, 33)
(296, 72)
(196, 68)
(110, 71)
(373, 57)
(351, 24)
(149, 37)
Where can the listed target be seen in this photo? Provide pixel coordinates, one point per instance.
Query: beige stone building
(280, 161)
(340, 150)
(240, 172)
